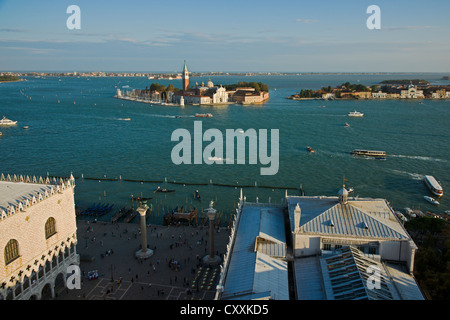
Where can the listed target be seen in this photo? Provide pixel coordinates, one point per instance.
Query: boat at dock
(433, 185)
(431, 200)
(355, 114)
(203, 115)
(119, 214)
(369, 153)
(129, 215)
(7, 122)
(97, 210)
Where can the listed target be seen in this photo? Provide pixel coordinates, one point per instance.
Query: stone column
(211, 258)
(144, 252)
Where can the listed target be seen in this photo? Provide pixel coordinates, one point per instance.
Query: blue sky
(246, 35)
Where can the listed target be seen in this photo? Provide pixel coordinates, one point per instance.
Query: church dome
(210, 84)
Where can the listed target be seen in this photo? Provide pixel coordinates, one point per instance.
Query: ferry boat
(433, 185)
(369, 153)
(431, 200)
(7, 122)
(355, 114)
(203, 115)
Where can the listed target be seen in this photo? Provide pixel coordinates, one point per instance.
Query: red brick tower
(185, 78)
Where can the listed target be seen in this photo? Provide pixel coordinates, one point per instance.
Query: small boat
(197, 195)
(7, 122)
(203, 115)
(163, 190)
(1, 133)
(433, 185)
(369, 153)
(133, 198)
(26, 127)
(431, 200)
(355, 114)
(347, 125)
(310, 149)
(410, 212)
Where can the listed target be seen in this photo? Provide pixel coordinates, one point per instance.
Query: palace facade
(37, 236)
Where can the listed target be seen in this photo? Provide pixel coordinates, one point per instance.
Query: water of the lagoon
(75, 126)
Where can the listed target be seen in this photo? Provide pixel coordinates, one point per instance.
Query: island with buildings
(242, 93)
(9, 78)
(388, 89)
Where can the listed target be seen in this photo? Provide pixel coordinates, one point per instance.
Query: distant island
(8, 78)
(200, 94)
(416, 82)
(446, 78)
(388, 89)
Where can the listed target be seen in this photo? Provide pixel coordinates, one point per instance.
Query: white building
(328, 96)
(379, 95)
(411, 93)
(220, 95)
(334, 245)
(37, 236)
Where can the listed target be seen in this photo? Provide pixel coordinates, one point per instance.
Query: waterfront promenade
(167, 275)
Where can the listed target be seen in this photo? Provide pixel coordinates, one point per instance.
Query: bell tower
(185, 77)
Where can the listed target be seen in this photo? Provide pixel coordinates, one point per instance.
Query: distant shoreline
(7, 81)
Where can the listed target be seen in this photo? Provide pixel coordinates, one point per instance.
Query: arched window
(11, 251)
(50, 227)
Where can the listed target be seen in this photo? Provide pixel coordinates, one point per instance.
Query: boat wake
(418, 158)
(414, 176)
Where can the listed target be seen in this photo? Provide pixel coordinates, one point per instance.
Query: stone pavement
(168, 274)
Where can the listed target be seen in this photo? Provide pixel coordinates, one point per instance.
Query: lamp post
(211, 259)
(144, 252)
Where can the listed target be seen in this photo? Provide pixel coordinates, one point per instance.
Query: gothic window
(50, 227)
(11, 251)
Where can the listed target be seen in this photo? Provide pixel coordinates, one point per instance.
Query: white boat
(431, 200)
(410, 212)
(355, 114)
(369, 153)
(203, 115)
(7, 122)
(433, 185)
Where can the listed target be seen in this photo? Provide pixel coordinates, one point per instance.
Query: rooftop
(13, 192)
(350, 275)
(256, 268)
(368, 218)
